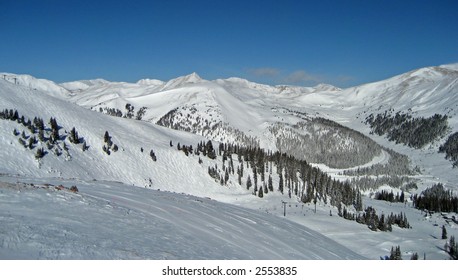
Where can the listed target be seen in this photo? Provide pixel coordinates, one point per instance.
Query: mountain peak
(192, 78)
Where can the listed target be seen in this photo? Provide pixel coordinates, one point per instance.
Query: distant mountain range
(386, 134)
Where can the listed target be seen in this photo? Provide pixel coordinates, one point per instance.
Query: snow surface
(245, 105)
(107, 220)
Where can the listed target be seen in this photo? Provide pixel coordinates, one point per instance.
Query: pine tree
(248, 182)
(255, 177)
(210, 151)
(226, 176)
(32, 141)
(392, 254)
(85, 147)
(280, 184)
(260, 193)
(444, 232)
(74, 136)
(106, 137)
(54, 130)
(401, 199)
(41, 135)
(152, 155)
(398, 253)
(239, 176)
(270, 184)
(40, 153)
(453, 248)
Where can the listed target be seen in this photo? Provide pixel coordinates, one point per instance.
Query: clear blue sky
(344, 43)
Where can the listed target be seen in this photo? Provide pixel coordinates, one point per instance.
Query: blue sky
(344, 43)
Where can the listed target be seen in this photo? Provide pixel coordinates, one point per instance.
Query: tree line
(450, 148)
(415, 132)
(437, 199)
(255, 168)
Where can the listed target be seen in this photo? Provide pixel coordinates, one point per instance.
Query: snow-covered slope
(35, 84)
(114, 221)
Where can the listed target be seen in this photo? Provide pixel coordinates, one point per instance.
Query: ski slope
(107, 220)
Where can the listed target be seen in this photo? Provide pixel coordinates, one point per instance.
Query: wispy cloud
(302, 77)
(345, 78)
(268, 72)
(299, 77)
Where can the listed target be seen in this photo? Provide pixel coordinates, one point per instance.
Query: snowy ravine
(107, 220)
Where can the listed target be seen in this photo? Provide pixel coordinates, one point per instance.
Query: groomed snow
(107, 220)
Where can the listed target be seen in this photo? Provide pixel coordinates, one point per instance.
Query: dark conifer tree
(453, 248)
(239, 176)
(40, 153)
(226, 176)
(152, 155)
(270, 184)
(106, 137)
(444, 232)
(248, 182)
(85, 147)
(210, 151)
(74, 138)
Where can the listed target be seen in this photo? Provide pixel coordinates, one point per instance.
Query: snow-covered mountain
(146, 122)
(237, 110)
